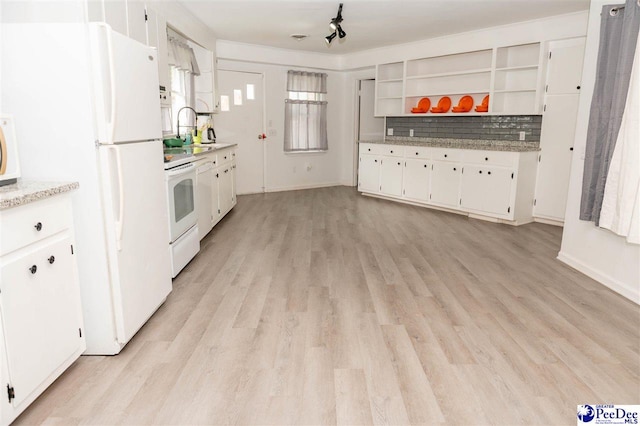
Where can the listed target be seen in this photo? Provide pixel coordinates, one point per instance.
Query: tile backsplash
(489, 127)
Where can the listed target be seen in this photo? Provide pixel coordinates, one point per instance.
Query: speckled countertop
(22, 192)
(488, 145)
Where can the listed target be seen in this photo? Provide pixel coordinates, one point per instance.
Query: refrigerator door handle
(120, 220)
(111, 122)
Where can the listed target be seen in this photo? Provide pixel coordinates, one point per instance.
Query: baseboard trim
(546, 221)
(611, 283)
(300, 187)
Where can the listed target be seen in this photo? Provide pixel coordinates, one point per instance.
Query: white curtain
(182, 56)
(305, 126)
(621, 203)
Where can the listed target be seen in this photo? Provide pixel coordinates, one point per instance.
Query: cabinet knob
(416, 153)
(486, 158)
(454, 169)
(38, 226)
(425, 165)
(51, 259)
(398, 164)
(578, 87)
(480, 171)
(571, 149)
(392, 151)
(375, 161)
(488, 173)
(369, 149)
(445, 156)
(33, 269)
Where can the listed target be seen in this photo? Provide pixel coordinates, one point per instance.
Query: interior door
(137, 217)
(241, 121)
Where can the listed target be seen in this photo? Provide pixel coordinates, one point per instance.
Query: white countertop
(24, 192)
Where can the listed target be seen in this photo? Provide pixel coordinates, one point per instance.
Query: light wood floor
(326, 307)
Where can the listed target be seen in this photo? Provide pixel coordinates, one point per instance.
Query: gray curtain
(618, 37)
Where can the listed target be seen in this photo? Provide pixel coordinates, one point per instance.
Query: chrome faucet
(195, 114)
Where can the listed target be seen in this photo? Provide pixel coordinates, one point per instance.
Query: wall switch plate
(522, 134)
(411, 132)
(390, 131)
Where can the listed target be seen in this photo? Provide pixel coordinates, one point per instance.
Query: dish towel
(621, 204)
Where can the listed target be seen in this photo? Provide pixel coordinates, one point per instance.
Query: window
(184, 67)
(305, 127)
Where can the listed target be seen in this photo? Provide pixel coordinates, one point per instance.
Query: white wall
(596, 252)
(289, 171)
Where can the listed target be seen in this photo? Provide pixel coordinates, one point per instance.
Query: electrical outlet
(522, 136)
(390, 131)
(411, 132)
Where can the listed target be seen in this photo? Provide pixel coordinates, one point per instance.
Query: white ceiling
(368, 23)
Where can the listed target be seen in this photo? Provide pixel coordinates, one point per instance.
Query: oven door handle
(120, 220)
(180, 170)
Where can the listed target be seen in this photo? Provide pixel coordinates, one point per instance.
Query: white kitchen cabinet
(558, 129)
(127, 17)
(490, 185)
(157, 37)
(416, 179)
(234, 198)
(204, 192)
(41, 330)
(486, 189)
(369, 173)
(391, 176)
(225, 188)
(206, 84)
(445, 183)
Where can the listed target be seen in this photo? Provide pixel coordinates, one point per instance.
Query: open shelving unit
(510, 75)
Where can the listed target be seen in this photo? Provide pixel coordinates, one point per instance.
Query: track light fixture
(335, 26)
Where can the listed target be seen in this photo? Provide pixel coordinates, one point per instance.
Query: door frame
(263, 124)
(357, 85)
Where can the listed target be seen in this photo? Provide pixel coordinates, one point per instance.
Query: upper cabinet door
(564, 72)
(115, 14)
(136, 21)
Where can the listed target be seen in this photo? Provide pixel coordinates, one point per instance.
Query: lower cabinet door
(416, 179)
(216, 212)
(445, 183)
(486, 189)
(225, 188)
(40, 314)
(369, 173)
(204, 183)
(391, 176)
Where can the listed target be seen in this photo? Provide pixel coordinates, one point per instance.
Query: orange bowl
(466, 103)
(424, 104)
(444, 103)
(485, 101)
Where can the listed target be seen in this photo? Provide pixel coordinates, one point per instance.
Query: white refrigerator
(86, 106)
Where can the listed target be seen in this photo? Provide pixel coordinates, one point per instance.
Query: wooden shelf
(514, 90)
(462, 92)
(450, 74)
(523, 67)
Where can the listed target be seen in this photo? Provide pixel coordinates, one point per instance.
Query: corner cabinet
(41, 329)
(509, 75)
(491, 185)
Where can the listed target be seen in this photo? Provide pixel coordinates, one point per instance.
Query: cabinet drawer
(446, 154)
(382, 149)
(226, 156)
(492, 158)
(27, 224)
(417, 152)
